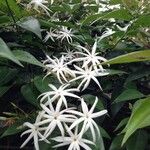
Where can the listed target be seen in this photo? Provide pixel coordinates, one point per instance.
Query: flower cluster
(75, 70)
(57, 114)
(63, 34)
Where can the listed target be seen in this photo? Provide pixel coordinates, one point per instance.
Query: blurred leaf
(137, 75)
(26, 57)
(142, 21)
(128, 94)
(30, 94)
(121, 14)
(130, 57)
(5, 52)
(122, 123)
(41, 83)
(4, 89)
(138, 141)
(90, 99)
(140, 118)
(116, 143)
(4, 20)
(104, 133)
(14, 129)
(31, 24)
(113, 72)
(6, 74)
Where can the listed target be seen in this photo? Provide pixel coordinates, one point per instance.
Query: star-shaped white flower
(87, 118)
(50, 34)
(35, 132)
(90, 58)
(39, 3)
(69, 55)
(74, 140)
(87, 74)
(55, 118)
(59, 94)
(65, 33)
(59, 68)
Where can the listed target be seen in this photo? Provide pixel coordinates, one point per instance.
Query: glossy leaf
(121, 14)
(128, 94)
(140, 118)
(130, 57)
(122, 123)
(27, 57)
(31, 24)
(5, 52)
(30, 94)
(138, 141)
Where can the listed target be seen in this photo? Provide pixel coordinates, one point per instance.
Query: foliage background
(125, 94)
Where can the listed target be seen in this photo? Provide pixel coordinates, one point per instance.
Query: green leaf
(128, 94)
(104, 133)
(142, 21)
(5, 52)
(116, 143)
(113, 72)
(4, 20)
(13, 129)
(30, 94)
(140, 118)
(90, 99)
(121, 14)
(41, 83)
(137, 75)
(130, 57)
(4, 89)
(6, 74)
(31, 24)
(138, 141)
(27, 57)
(122, 123)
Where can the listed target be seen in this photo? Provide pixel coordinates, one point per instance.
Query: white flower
(64, 33)
(74, 140)
(87, 118)
(90, 58)
(55, 117)
(35, 132)
(59, 68)
(69, 55)
(37, 4)
(59, 94)
(50, 34)
(87, 75)
(106, 33)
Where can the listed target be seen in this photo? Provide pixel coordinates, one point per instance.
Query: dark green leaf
(31, 24)
(122, 123)
(138, 141)
(130, 57)
(4, 89)
(116, 143)
(140, 118)
(5, 52)
(27, 57)
(7, 74)
(30, 94)
(13, 129)
(128, 94)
